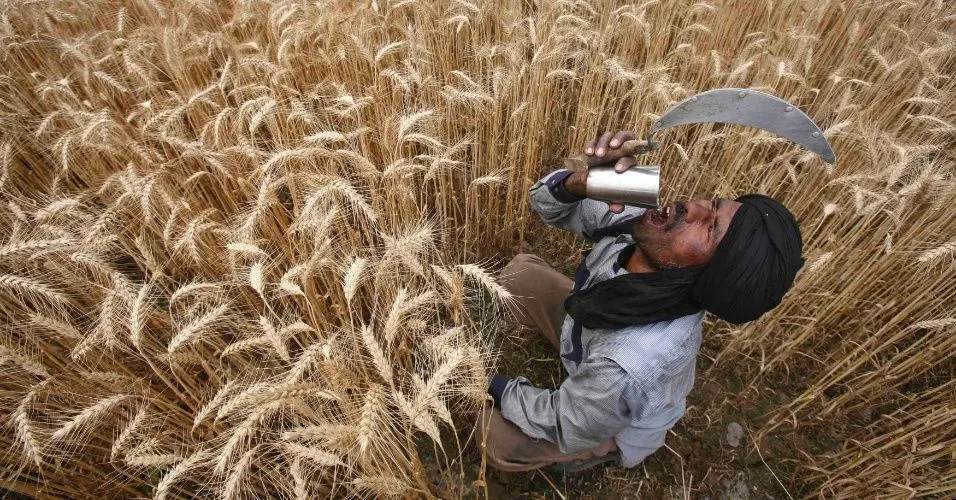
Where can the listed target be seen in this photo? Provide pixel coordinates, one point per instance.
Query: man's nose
(697, 210)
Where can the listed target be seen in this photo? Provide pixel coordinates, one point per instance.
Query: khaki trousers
(539, 291)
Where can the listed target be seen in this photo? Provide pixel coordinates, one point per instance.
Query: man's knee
(520, 261)
(511, 275)
(525, 257)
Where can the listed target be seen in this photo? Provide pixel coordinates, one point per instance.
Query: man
(628, 327)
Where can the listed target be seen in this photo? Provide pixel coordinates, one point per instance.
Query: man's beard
(650, 248)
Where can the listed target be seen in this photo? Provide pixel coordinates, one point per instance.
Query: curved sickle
(751, 108)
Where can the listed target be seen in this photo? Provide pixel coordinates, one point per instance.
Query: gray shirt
(631, 383)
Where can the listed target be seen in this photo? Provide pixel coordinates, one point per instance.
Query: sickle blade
(753, 109)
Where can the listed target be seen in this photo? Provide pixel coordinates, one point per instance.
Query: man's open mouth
(664, 217)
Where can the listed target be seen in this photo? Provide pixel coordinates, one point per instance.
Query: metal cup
(638, 186)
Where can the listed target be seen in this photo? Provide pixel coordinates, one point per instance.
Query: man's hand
(604, 150)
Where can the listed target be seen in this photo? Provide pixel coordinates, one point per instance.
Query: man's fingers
(624, 164)
(615, 208)
(607, 146)
(621, 137)
(602, 144)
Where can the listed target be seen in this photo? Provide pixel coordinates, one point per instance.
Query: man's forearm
(576, 183)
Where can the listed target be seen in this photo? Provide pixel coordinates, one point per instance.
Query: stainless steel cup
(638, 186)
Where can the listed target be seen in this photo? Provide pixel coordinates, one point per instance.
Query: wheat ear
(23, 286)
(23, 426)
(418, 415)
(121, 441)
(216, 400)
(383, 486)
(189, 332)
(89, 415)
(947, 249)
(486, 280)
(381, 362)
(238, 473)
(257, 279)
(319, 457)
(373, 414)
(178, 472)
(353, 277)
(138, 316)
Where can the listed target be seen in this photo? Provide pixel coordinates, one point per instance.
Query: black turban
(754, 264)
(751, 270)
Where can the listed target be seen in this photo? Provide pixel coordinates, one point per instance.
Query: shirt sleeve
(563, 210)
(590, 407)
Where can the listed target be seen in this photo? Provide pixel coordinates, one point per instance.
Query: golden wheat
(248, 250)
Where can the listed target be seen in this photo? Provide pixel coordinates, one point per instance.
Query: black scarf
(635, 298)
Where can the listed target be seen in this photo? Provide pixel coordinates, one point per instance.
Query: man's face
(683, 234)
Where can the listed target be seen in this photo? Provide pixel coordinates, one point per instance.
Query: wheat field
(249, 249)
